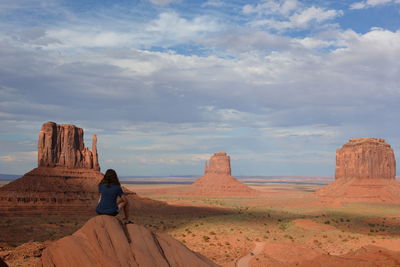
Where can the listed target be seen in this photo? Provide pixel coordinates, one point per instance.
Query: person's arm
(99, 194)
(122, 199)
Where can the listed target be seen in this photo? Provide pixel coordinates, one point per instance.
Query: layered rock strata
(365, 172)
(104, 242)
(217, 179)
(49, 191)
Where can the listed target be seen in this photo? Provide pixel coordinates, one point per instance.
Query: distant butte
(217, 179)
(365, 172)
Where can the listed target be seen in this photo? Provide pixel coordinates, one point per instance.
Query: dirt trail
(244, 261)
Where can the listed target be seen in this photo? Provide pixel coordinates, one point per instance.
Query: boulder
(104, 242)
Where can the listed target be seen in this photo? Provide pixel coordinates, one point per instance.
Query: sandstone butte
(217, 179)
(104, 242)
(65, 181)
(365, 172)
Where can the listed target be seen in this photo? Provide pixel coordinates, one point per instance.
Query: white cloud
(88, 37)
(302, 19)
(168, 29)
(372, 3)
(283, 7)
(213, 3)
(163, 2)
(169, 26)
(19, 157)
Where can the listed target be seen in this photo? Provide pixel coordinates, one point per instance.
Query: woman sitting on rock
(112, 198)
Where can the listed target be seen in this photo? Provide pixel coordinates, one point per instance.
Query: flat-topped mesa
(365, 158)
(63, 146)
(219, 163)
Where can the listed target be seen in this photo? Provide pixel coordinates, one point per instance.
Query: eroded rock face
(104, 241)
(63, 146)
(365, 158)
(217, 179)
(219, 163)
(365, 172)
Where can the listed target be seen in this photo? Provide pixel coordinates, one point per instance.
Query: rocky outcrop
(217, 179)
(65, 181)
(104, 241)
(2, 263)
(63, 146)
(365, 158)
(365, 172)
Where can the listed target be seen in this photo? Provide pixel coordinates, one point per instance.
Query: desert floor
(285, 226)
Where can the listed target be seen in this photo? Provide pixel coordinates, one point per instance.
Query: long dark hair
(110, 178)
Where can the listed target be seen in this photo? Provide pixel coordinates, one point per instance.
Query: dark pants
(110, 214)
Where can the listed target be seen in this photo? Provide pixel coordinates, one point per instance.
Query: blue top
(108, 201)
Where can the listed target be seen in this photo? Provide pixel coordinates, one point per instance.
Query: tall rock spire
(96, 165)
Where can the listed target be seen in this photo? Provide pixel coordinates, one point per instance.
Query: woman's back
(108, 199)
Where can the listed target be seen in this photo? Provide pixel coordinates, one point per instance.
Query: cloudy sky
(278, 84)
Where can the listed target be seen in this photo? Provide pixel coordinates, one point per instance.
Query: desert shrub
(327, 222)
(206, 238)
